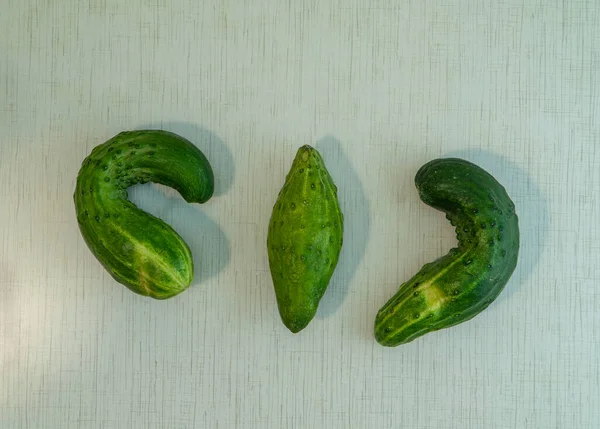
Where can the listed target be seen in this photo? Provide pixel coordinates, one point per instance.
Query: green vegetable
(305, 238)
(463, 283)
(139, 250)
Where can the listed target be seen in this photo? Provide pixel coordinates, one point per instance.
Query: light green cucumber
(304, 239)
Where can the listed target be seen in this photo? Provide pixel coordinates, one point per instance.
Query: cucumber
(304, 239)
(139, 250)
(464, 282)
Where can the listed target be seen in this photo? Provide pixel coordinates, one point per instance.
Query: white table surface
(379, 87)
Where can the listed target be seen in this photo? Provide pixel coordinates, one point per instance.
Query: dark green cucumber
(139, 250)
(304, 239)
(463, 283)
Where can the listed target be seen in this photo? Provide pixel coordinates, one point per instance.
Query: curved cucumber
(305, 238)
(139, 250)
(463, 283)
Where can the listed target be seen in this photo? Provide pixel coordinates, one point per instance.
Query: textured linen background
(379, 87)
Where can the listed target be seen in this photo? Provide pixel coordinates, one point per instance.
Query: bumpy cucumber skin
(305, 238)
(463, 283)
(139, 250)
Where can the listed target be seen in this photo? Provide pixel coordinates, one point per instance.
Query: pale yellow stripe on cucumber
(427, 284)
(434, 298)
(142, 251)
